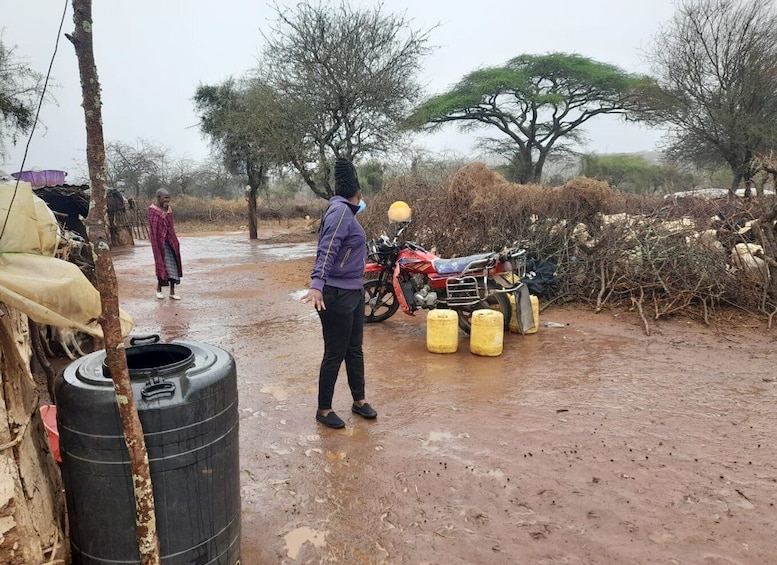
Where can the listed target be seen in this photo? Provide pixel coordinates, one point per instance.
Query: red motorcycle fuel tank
(416, 261)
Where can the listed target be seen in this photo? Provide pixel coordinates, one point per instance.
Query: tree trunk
(116, 357)
(732, 190)
(253, 232)
(255, 178)
(540, 164)
(32, 507)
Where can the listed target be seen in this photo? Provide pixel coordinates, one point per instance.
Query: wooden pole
(99, 239)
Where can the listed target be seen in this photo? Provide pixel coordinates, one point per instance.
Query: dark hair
(346, 181)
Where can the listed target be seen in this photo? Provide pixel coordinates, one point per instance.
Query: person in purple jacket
(337, 293)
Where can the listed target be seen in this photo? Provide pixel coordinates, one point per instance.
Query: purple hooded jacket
(342, 248)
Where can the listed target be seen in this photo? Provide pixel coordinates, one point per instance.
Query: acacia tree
(346, 78)
(20, 89)
(537, 102)
(240, 118)
(715, 68)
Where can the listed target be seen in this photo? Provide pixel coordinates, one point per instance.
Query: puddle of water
(446, 436)
(298, 294)
(280, 392)
(287, 252)
(224, 248)
(295, 539)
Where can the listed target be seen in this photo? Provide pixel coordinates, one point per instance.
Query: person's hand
(316, 298)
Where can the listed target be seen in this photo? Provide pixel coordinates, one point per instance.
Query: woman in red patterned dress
(164, 244)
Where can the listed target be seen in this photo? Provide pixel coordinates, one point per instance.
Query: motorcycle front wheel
(380, 302)
(494, 301)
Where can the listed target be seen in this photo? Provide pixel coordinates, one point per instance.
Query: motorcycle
(405, 275)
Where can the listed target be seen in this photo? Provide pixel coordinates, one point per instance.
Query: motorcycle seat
(459, 264)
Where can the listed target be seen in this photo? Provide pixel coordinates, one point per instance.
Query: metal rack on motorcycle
(472, 285)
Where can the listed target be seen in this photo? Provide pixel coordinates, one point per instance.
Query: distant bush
(218, 211)
(634, 173)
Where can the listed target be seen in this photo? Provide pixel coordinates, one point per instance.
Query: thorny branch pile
(704, 258)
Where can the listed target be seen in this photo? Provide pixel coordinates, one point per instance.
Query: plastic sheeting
(49, 290)
(41, 178)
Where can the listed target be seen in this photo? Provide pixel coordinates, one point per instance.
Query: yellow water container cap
(399, 211)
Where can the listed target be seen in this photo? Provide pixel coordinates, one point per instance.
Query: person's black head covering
(346, 181)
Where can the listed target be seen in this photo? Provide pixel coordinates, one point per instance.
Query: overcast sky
(152, 54)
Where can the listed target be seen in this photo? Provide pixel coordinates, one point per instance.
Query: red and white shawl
(161, 229)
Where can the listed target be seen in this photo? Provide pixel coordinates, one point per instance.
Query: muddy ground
(582, 444)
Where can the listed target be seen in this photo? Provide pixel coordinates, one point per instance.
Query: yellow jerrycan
(487, 334)
(442, 331)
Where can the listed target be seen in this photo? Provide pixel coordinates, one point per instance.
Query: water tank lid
(157, 359)
(165, 360)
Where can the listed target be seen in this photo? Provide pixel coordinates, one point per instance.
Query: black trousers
(343, 326)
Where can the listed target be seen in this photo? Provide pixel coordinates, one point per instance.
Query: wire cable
(35, 121)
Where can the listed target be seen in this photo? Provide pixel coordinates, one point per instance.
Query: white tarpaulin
(49, 290)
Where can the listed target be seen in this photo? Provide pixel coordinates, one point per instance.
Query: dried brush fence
(218, 212)
(707, 259)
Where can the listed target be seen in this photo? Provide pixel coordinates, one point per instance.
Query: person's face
(163, 200)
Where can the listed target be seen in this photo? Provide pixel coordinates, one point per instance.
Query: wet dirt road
(583, 444)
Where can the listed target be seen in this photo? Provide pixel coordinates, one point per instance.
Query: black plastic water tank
(186, 395)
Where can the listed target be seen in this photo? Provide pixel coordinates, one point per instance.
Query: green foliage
(371, 177)
(20, 90)
(240, 119)
(535, 101)
(719, 177)
(633, 173)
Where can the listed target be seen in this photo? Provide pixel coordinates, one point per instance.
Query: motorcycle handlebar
(414, 246)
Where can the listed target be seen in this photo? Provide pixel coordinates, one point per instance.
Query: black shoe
(331, 420)
(365, 411)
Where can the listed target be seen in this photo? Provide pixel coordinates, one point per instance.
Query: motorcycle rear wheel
(494, 301)
(380, 302)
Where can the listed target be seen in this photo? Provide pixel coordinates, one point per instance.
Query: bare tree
(183, 175)
(715, 67)
(141, 168)
(345, 78)
(215, 181)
